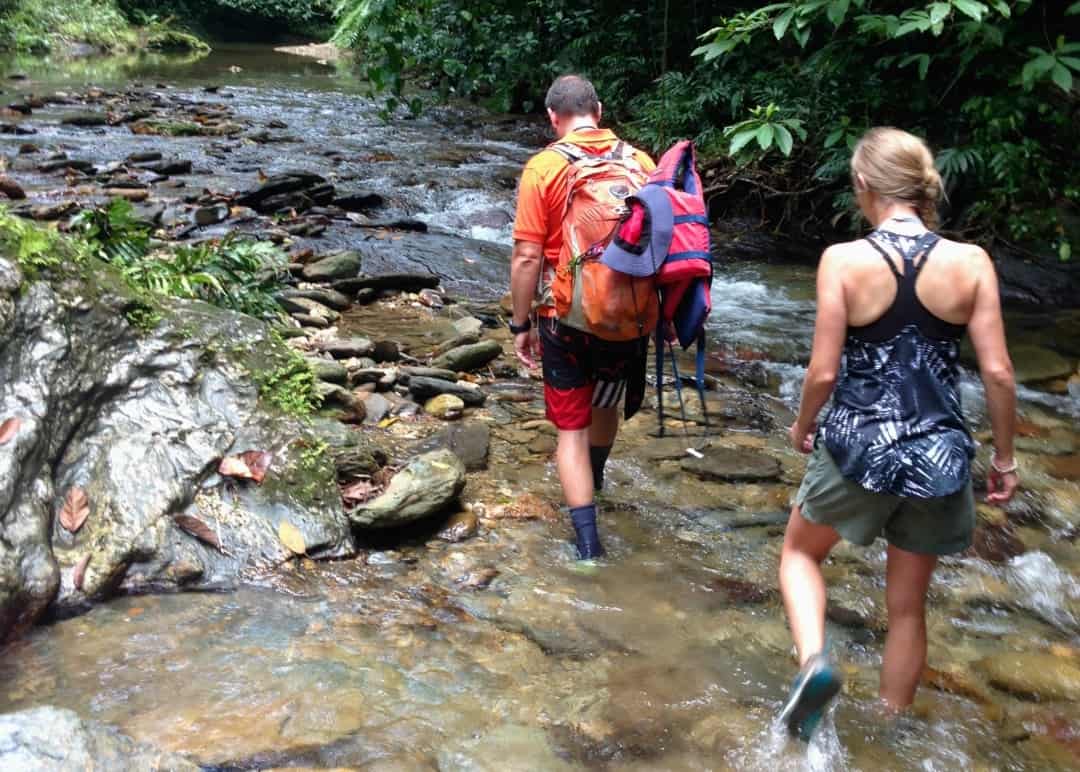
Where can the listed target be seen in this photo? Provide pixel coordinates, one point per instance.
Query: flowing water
(499, 653)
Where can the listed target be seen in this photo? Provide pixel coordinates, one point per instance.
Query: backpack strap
(572, 153)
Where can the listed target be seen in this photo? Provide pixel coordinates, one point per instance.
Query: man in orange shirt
(585, 377)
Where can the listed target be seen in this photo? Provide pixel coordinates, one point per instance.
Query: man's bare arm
(525, 264)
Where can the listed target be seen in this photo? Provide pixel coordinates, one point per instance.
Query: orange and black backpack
(586, 294)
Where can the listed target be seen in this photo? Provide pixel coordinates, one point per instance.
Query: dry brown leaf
(291, 537)
(75, 510)
(197, 528)
(9, 429)
(79, 573)
(358, 492)
(249, 465)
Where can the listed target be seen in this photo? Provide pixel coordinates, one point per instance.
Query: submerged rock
(1033, 675)
(728, 465)
(51, 739)
(470, 441)
(423, 488)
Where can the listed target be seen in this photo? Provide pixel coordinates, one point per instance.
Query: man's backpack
(588, 295)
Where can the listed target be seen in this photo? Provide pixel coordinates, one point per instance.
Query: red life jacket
(666, 234)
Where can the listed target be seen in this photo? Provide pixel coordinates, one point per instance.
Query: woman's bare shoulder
(963, 254)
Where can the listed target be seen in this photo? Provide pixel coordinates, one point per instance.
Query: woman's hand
(802, 439)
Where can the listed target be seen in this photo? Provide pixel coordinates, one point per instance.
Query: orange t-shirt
(542, 191)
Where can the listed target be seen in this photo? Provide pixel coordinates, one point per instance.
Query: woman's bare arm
(987, 331)
(830, 329)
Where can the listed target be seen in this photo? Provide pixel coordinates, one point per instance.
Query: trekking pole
(678, 390)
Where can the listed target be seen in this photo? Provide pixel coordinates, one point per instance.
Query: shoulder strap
(923, 248)
(886, 256)
(569, 151)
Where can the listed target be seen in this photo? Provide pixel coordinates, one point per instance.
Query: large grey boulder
(51, 739)
(138, 423)
(426, 486)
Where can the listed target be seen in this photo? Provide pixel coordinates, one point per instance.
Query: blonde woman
(892, 456)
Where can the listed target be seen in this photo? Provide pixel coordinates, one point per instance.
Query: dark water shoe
(814, 688)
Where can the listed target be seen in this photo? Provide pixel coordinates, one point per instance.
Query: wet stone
(470, 357)
(85, 120)
(328, 370)
(210, 215)
(470, 441)
(348, 348)
(1033, 675)
(378, 407)
(340, 265)
(313, 308)
(464, 525)
(424, 388)
(726, 465)
(426, 486)
(445, 406)
(428, 372)
(326, 296)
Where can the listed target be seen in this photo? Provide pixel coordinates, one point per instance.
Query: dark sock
(588, 540)
(598, 455)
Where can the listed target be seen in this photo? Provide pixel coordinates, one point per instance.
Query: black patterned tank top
(896, 424)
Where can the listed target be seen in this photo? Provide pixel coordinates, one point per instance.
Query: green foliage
(36, 26)
(235, 272)
(768, 129)
(976, 78)
(237, 18)
(287, 381)
(37, 250)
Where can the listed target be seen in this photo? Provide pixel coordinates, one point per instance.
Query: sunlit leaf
(75, 510)
(971, 8)
(741, 140)
(784, 140)
(291, 537)
(1062, 77)
(783, 21)
(765, 136)
(9, 429)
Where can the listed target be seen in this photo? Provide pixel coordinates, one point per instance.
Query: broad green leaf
(837, 11)
(1065, 249)
(784, 140)
(1073, 10)
(939, 12)
(972, 8)
(783, 21)
(1062, 77)
(741, 140)
(765, 136)
(834, 138)
(1002, 7)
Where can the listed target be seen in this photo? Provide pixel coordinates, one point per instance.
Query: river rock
(210, 215)
(445, 406)
(399, 282)
(508, 748)
(382, 377)
(339, 265)
(1035, 363)
(85, 119)
(359, 201)
(324, 295)
(313, 308)
(471, 357)
(16, 130)
(468, 325)
(168, 167)
(408, 372)
(426, 486)
(49, 739)
(269, 196)
(377, 406)
(328, 370)
(138, 421)
(11, 188)
(470, 441)
(464, 525)
(425, 388)
(1033, 675)
(726, 465)
(347, 348)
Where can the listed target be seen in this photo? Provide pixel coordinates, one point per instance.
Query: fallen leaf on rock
(249, 465)
(193, 526)
(79, 573)
(75, 510)
(358, 492)
(291, 537)
(9, 429)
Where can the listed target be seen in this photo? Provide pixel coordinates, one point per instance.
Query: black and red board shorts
(582, 371)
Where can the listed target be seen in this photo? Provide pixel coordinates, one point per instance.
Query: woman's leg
(806, 545)
(907, 578)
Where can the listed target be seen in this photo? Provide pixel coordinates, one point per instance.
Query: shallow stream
(498, 652)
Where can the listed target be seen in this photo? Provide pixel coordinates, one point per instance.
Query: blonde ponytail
(899, 166)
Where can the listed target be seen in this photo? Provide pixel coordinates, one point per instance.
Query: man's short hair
(572, 95)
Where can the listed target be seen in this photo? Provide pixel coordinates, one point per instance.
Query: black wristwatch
(517, 329)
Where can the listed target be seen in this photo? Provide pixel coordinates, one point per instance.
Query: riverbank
(319, 617)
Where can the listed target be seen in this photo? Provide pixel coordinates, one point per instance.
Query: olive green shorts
(939, 526)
